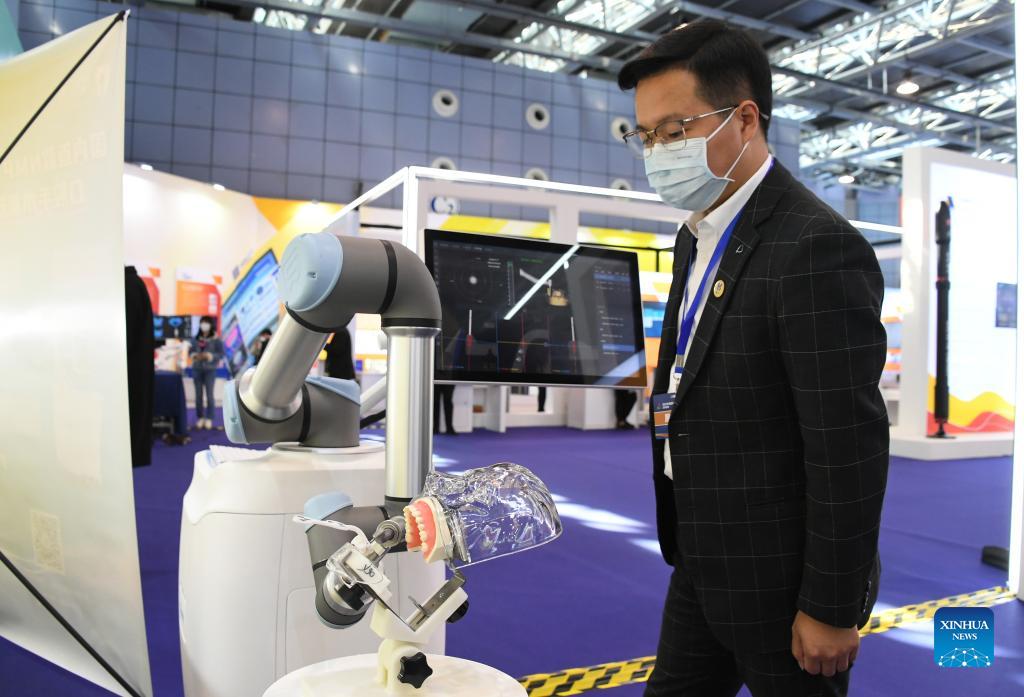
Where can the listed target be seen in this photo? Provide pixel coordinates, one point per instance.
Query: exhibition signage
(198, 293)
(69, 579)
(978, 288)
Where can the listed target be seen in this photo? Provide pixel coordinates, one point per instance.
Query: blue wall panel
(293, 114)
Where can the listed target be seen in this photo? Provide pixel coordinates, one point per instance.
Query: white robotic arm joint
(324, 280)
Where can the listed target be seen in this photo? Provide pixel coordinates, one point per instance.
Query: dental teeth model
(426, 530)
(483, 514)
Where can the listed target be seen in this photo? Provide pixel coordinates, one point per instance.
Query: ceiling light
(907, 85)
(218, 187)
(846, 178)
(146, 168)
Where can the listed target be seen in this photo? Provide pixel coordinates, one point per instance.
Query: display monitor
(234, 347)
(252, 307)
(525, 311)
(1006, 305)
(174, 327)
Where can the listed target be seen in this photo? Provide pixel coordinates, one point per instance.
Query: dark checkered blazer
(779, 436)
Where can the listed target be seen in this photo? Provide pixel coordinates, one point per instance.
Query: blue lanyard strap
(691, 312)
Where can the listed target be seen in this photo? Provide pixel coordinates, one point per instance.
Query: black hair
(213, 326)
(729, 64)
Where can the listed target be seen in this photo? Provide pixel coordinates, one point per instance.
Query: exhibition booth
(195, 269)
(981, 318)
(288, 536)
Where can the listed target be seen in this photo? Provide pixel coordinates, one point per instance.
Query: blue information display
(1006, 305)
(175, 327)
(252, 307)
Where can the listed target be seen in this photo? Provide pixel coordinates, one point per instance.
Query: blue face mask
(682, 177)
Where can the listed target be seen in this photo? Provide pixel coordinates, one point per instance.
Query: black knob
(460, 613)
(415, 670)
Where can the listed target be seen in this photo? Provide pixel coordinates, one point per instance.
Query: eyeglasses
(672, 134)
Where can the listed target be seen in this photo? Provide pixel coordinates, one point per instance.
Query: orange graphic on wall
(149, 276)
(986, 413)
(198, 294)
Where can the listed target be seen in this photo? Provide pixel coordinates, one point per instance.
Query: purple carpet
(595, 595)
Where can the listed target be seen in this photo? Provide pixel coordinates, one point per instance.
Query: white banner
(67, 513)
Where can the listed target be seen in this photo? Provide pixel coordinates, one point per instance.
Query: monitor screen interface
(253, 306)
(234, 347)
(524, 311)
(174, 327)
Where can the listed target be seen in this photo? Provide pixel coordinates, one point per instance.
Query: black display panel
(524, 311)
(174, 327)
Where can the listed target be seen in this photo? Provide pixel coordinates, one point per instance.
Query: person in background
(339, 357)
(206, 353)
(443, 395)
(624, 401)
(139, 316)
(260, 345)
(538, 361)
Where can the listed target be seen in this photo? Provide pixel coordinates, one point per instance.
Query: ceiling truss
(838, 78)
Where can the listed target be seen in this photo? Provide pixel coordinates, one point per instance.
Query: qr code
(46, 541)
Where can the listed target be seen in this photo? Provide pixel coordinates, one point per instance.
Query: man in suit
(771, 450)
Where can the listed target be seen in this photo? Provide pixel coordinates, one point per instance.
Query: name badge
(662, 404)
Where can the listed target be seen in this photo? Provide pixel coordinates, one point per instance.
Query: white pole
(1017, 508)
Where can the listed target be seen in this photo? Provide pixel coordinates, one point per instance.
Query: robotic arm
(324, 281)
(355, 578)
(455, 519)
(461, 519)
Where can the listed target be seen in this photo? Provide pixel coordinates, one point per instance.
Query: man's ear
(750, 117)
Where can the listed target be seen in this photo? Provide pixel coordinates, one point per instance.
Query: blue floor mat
(595, 595)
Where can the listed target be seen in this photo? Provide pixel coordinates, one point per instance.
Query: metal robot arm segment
(324, 280)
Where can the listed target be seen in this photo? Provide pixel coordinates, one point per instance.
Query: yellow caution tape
(580, 680)
(890, 619)
(577, 681)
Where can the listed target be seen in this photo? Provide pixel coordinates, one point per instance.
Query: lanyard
(691, 312)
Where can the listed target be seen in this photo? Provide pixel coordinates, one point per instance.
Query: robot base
(245, 588)
(356, 676)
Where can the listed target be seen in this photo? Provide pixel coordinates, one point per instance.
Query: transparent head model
(460, 519)
(482, 514)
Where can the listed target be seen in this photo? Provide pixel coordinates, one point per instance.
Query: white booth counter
(497, 408)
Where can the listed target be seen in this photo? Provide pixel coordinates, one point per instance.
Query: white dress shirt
(708, 229)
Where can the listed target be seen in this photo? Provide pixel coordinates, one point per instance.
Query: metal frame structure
(889, 39)
(835, 77)
(565, 202)
(1016, 557)
(875, 39)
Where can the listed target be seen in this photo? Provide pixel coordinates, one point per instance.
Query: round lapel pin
(719, 288)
